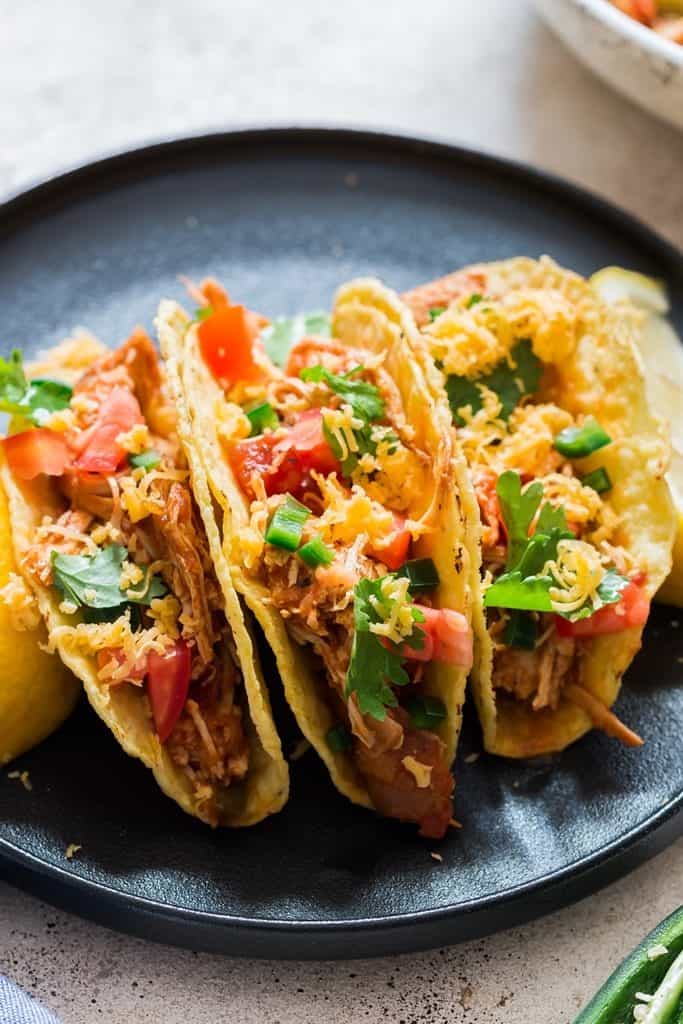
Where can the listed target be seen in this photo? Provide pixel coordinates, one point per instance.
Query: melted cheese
(422, 773)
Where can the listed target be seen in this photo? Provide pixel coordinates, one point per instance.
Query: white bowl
(630, 57)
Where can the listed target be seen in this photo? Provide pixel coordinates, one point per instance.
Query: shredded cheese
(20, 603)
(579, 571)
(135, 440)
(341, 423)
(422, 773)
(399, 624)
(60, 420)
(166, 612)
(232, 424)
(138, 497)
(130, 575)
(90, 638)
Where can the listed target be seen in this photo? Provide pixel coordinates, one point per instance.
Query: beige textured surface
(77, 78)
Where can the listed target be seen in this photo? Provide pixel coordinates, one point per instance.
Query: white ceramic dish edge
(628, 56)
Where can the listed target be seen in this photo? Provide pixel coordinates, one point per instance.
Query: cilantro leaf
(518, 509)
(94, 580)
(364, 398)
(33, 400)
(374, 668)
(435, 311)
(551, 518)
(284, 332)
(508, 383)
(511, 590)
(474, 298)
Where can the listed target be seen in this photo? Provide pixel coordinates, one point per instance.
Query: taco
(548, 398)
(108, 539)
(343, 512)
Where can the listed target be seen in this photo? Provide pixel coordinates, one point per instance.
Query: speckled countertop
(77, 79)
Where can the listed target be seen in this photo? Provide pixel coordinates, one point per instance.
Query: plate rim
(307, 938)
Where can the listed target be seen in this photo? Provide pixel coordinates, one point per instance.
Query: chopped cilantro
(508, 383)
(374, 668)
(284, 332)
(149, 459)
(33, 400)
(203, 312)
(436, 311)
(364, 398)
(474, 298)
(94, 580)
(521, 586)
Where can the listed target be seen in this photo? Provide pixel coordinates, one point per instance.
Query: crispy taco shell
(367, 316)
(603, 377)
(125, 708)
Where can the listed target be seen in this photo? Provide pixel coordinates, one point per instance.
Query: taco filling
(122, 548)
(559, 569)
(332, 475)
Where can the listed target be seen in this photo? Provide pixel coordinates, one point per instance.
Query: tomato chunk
(168, 682)
(395, 551)
(285, 463)
(448, 638)
(307, 440)
(99, 451)
(33, 452)
(226, 339)
(632, 610)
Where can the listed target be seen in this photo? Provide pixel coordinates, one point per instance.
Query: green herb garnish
(32, 400)
(436, 311)
(599, 480)
(374, 668)
(422, 574)
(203, 312)
(283, 334)
(262, 417)
(94, 580)
(315, 552)
(287, 524)
(521, 631)
(364, 398)
(474, 298)
(510, 384)
(426, 712)
(338, 739)
(148, 459)
(577, 442)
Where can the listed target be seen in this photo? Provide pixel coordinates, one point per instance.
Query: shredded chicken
(538, 675)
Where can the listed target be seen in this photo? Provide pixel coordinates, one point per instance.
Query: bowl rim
(640, 35)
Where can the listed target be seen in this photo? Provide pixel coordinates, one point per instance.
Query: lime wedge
(662, 354)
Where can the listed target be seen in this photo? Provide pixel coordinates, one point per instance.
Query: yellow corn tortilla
(125, 708)
(603, 377)
(368, 316)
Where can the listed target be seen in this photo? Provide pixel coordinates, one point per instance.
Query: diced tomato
(33, 452)
(98, 449)
(213, 293)
(136, 674)
(448, 638)
(632, 610)
(168, 682)
(307, 439)
(394, 553)
(285, 463)
(226, 339)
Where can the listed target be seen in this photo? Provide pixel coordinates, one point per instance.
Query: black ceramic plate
(283, 217)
